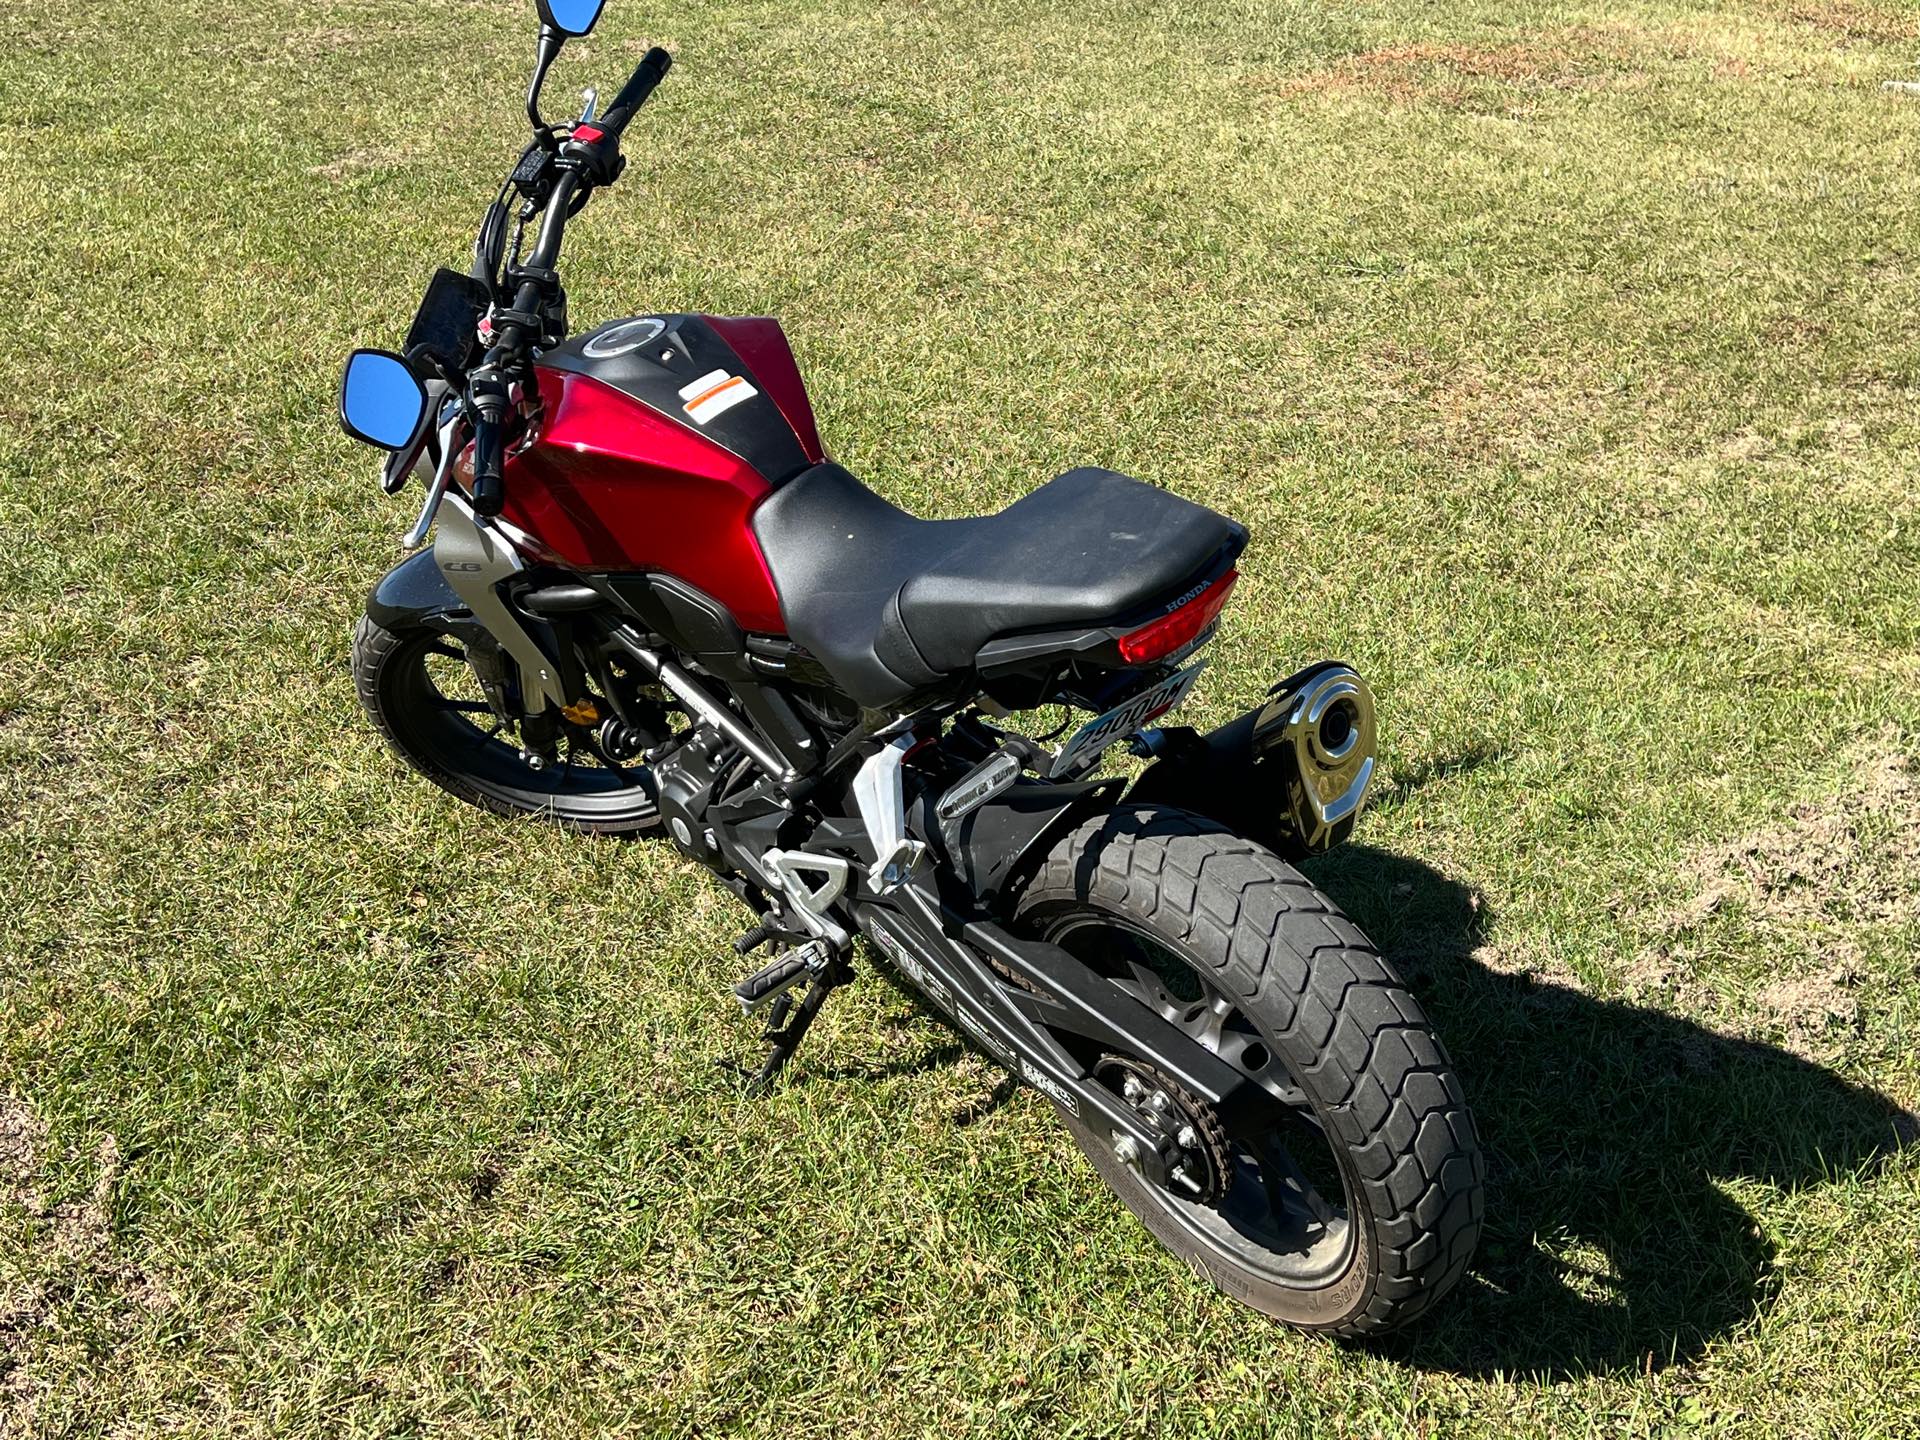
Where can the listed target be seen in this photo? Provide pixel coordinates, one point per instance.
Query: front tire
(1238, 948)
(417, 689)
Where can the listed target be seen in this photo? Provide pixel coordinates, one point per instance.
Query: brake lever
(436, 491)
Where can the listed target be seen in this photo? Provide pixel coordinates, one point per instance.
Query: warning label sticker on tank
(713, 394)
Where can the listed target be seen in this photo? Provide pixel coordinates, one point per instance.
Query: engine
(688, 780)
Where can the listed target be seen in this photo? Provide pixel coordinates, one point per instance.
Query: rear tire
(402, 678)
(1270, 954)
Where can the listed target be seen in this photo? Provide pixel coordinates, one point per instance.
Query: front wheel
(422, 695)
(1355, 1202)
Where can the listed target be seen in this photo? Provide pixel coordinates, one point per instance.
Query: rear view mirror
(570, 17)
(381, 400)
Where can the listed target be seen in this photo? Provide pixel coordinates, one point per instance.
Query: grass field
(1561, 359)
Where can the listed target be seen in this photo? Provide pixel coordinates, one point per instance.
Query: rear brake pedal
(751, 940)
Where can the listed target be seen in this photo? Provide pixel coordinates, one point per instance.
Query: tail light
(1180, 626)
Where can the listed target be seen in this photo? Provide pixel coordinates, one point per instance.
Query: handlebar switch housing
(595, 154)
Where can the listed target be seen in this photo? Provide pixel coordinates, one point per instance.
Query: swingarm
(952, 959)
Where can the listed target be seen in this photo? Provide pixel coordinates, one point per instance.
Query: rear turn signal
(1179, 627)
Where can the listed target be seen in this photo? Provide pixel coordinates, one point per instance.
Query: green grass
(1561, 360)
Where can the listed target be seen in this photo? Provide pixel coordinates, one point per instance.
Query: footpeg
(822, 970)
(786, 970)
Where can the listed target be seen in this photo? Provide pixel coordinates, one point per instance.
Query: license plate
(1124, 720)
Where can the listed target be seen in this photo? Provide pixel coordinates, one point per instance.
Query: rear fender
(993, 845)
(1292, 773)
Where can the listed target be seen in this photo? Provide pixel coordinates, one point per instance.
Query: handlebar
(489, 388)
(651, 70)
(546, 249)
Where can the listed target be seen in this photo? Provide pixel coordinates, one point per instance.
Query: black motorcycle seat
(890, 603)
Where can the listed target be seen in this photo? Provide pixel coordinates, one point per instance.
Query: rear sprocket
(1201, 1166)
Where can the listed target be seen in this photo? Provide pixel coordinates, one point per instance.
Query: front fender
(415, 595)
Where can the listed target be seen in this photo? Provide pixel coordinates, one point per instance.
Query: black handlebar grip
(489, 494)
(489, 486)
(651, 70)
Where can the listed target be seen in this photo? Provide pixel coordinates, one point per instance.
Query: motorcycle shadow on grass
(1607, 1245)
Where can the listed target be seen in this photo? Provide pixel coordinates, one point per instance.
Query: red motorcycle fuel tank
(661, 433)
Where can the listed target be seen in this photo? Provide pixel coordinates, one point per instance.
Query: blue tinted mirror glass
(571, 17)
(381, 401)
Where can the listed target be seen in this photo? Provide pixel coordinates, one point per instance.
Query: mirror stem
(550, 42)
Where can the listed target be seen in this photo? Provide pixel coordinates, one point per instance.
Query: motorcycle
(652, 605)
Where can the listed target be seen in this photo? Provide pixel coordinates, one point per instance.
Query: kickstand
(786, 1038)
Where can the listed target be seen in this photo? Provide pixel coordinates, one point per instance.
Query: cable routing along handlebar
(589, 157)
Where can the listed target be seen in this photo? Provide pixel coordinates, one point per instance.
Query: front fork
(474, 558)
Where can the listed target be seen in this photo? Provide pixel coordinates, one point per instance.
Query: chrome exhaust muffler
(1319, 728)
(1293, 773)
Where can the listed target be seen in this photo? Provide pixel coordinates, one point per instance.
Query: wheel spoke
(1207, 1021)
(465, 707)
(1287, 1184)
(1233, 1045)
(1239, 1047)
(1145, 984)
(450, 651)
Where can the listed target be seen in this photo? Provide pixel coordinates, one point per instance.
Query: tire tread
(1387, 1090)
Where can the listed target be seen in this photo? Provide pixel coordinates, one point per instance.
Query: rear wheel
(424, 697)
(1356, 1201)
